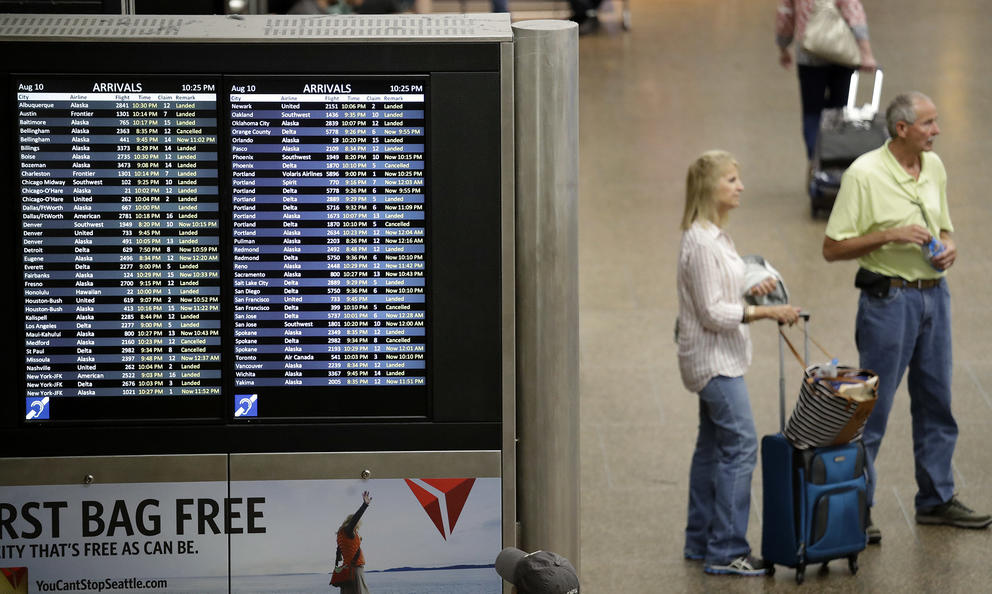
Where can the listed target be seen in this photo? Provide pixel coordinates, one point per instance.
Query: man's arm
(855, 247)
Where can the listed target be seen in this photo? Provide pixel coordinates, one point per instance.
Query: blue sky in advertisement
(301, 518)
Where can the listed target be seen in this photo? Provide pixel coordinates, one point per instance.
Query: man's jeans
(912, 328)
(720, 476)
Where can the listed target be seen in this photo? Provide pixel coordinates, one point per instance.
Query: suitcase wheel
(852, 564)
(771, 569)
(800, 573)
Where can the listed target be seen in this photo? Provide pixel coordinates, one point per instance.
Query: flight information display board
(229, 246)
(247, 236)
(328, 197)
(120, 218)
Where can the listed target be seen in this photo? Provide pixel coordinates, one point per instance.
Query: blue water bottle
(933, 248)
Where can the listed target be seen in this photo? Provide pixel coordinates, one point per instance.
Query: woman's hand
(764, 287)
(784, 58)
(868, 63)
(366, 498)
(783, 314)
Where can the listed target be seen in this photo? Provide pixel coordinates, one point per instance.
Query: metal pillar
(547, 173)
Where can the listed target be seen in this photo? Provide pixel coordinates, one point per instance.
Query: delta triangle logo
(430, 492)
(13, 580)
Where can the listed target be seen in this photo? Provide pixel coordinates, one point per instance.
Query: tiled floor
(700, 74)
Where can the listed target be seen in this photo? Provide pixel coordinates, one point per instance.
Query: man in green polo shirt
(891, 205)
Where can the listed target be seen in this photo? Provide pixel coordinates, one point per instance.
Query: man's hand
(947, 257)
(366, 498)
(909, 234)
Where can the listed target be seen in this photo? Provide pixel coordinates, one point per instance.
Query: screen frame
(466, 400)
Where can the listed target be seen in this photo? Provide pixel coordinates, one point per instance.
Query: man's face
(920, 134)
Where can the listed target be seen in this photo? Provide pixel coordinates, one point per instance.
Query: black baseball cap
(540, 572)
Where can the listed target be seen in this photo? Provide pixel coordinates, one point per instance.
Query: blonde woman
(714, 353)
(350, 549)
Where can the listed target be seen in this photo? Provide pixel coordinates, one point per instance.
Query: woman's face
(728, 190)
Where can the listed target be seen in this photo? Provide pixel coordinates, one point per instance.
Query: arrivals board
(217, 242)
(121, 233)
(328, 201)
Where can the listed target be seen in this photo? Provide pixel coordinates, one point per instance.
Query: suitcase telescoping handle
(868, 110)
(781, 366)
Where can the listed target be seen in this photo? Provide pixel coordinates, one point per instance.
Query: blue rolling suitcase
(815, 503)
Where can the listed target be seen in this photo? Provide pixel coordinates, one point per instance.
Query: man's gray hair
(903, 109)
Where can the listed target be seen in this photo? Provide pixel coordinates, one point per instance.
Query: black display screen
(234, 247)
(121, 231)
(328, 192)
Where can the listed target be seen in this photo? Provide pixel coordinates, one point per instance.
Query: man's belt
(925, 283)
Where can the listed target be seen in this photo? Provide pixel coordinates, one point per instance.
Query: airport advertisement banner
(418, 535)
(155, 537)
(429, 536)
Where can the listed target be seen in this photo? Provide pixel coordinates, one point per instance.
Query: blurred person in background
(822, 84)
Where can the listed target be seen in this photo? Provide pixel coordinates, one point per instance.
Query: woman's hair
(700, 187)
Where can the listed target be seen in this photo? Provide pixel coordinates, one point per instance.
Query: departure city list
(328, 208)
(118, 183)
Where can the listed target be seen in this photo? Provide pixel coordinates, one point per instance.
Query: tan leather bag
(828, 36)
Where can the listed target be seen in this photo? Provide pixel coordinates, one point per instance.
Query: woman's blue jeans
(720, 476)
